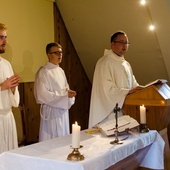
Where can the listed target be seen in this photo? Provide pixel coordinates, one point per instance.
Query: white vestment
(8, 133)
(50, 91)
(113, 78)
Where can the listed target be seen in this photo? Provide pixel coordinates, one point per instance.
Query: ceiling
(90, 24)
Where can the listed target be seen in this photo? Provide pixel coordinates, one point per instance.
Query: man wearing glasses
(52, 91)
(113, 79)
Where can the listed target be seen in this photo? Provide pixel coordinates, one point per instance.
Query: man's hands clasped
(10, 83)
(71, 93)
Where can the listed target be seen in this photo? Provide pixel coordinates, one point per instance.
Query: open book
(158, 81)
(125, 123)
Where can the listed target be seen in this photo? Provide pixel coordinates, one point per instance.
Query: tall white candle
(75, 135)
(142, 114)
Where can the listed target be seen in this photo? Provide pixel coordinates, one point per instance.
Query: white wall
(30, 27)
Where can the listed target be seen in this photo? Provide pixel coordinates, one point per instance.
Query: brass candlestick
(75, 155)
(143, 128)
(116, 141)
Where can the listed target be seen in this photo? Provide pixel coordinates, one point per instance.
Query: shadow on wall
(27, 75)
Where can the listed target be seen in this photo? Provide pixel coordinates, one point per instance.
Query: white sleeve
(14, 97)
(44, 95)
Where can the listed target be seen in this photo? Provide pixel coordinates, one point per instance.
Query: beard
(2, 51)
(2, 48)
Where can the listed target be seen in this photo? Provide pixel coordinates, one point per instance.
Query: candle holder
(143, 128)
(75, 155)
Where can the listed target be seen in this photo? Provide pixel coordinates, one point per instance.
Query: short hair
(3, 27)
(114, 36)
(50, 45)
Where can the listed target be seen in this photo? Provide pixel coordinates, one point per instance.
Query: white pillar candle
(75, 135)
(142, 114)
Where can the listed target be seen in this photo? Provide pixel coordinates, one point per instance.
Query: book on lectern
(125, 124)
(158, 81)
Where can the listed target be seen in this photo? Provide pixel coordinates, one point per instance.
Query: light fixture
(151, 27)
(142, 2)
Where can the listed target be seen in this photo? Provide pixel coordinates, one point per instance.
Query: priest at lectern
(113, 80)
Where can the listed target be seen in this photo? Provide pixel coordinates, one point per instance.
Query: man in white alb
(113, 80)
(9, 97)
(52, 91)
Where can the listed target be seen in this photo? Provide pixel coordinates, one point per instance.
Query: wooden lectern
(156, 99)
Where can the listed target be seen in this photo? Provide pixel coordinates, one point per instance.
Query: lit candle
(142, 114)
(75, 135)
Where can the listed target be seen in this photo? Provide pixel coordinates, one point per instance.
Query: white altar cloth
(98, 152)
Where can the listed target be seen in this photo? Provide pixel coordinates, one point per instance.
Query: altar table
(98, 152)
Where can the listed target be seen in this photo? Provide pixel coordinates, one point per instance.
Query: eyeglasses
(57, 52)
(123, 43)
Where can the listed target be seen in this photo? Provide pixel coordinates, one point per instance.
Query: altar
(156, 99)
(99, 154)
